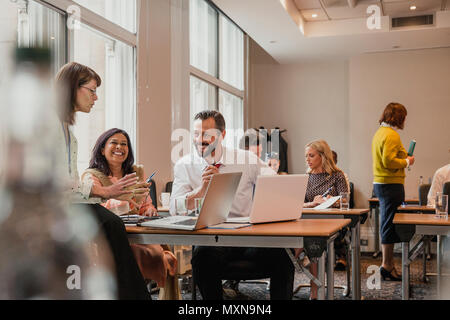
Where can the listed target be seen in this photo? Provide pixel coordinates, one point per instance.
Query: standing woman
(78, 85)
(389, 162)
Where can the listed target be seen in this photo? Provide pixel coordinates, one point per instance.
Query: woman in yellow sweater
(389, 162)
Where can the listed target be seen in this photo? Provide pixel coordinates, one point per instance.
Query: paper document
(327, 203)
(238, 220)
(229, 226)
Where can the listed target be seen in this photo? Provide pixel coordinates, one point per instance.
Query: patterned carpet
(389, 290)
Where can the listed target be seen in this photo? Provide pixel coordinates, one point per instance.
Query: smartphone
(150, 178)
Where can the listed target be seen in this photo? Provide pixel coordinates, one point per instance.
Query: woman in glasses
(78, 85)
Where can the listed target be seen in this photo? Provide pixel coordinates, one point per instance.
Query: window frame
(109, 29)
(216, 81)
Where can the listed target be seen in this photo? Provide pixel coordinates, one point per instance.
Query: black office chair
(352, 196)
(169, 186)
(152, 192)
(423, 194)
(240, 270)
(446, 189)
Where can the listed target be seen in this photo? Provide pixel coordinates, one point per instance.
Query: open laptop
(215, 208)
(277, 198)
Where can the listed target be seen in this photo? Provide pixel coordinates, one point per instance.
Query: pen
(150, 178)
(327, 192)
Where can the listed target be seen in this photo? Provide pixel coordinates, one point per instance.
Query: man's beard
(211, 147)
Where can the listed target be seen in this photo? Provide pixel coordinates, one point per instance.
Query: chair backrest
(446, 189)
(423, 194)
(352, 197)
(153, 193)
(169, 186)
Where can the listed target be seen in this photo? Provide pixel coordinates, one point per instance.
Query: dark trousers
(209, 265)
(390, 197)
(130, 283)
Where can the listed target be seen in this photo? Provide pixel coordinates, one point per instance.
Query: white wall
(341, 102)
(420, 80)
(309, 100)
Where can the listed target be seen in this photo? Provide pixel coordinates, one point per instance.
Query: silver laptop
(277, 198)
(215, 209)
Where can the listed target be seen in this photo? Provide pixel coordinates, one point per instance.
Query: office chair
(352, 197)
(423, 194)
(169, 186)
(240, 270)
(152, 191)
(446, 189)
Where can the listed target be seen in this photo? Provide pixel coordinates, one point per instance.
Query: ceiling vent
(415, 21)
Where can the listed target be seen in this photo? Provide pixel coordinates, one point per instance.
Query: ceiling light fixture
(314, 15)
(412, 8)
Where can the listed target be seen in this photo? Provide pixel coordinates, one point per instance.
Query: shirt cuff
(407, 162)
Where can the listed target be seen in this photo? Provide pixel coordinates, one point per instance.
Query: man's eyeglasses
(93, 92)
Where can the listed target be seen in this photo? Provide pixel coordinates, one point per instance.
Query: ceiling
(351, 9)
(287, 30)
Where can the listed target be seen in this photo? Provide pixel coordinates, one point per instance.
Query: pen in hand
(327, 192)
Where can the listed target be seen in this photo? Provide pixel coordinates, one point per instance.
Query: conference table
(357, 217)
(409, 224)
(315, 235)
(374, 205)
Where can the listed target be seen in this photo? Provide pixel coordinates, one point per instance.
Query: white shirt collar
(387, 125)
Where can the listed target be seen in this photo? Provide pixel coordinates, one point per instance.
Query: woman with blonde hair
(325, 178)
(324, 175)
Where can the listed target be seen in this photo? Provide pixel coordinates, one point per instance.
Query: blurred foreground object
(47, 250)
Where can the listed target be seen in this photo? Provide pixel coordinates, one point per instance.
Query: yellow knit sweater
(388, 156)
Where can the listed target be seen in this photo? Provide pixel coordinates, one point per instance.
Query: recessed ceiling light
(314, 15)
(412, 8)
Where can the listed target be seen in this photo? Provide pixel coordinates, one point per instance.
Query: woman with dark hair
(112, 159)
(78, 87)
(389, 162)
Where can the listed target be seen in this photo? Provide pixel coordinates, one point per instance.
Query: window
(231, 53)
(115, 108)
(121, 12)
(217, 67)
(232, 108)
(40, 26)
(203, 95)
(203, 36)
(44, 23)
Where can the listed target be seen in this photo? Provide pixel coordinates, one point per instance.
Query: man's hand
(207, 174)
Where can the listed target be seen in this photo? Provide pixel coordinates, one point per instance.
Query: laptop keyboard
(190, 222)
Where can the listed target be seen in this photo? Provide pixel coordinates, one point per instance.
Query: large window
(40, 26)
(217, 67)
(115, 108)
(121, 12)
(45, 23)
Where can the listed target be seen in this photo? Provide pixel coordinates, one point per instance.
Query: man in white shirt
(441, 176)
(191, 178)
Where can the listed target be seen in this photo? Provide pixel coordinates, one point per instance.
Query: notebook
(216, 205)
